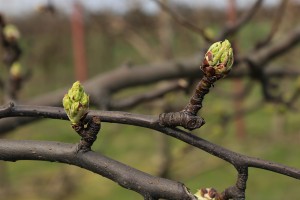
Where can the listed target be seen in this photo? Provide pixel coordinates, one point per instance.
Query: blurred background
(63, 41)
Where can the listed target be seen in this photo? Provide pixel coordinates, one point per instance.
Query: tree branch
(152, 122)
(182, 21)
(275, 25)
(230, 30)
(159, 92)
(102, 86)
(264, 55)
(124, 175)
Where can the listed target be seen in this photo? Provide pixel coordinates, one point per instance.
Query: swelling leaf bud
(218, 59)
(11, 33)
(76, 103)
(16, 70)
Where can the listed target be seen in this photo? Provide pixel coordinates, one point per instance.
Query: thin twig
(184, 22)
(275, 25)
(12, 54)
(231, 29)
(145, 97)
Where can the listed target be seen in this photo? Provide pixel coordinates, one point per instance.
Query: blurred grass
(136, 146)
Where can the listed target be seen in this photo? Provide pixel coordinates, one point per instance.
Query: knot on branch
(88, 133)
(6, 109)
(187, 118)
(233, 193)
(237, 191)
(182, 118)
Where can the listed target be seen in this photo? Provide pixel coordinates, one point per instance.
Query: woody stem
(195, 103)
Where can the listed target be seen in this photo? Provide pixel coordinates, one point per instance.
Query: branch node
(237, 192)
(88, 133)
(4, 110)
(181, 118)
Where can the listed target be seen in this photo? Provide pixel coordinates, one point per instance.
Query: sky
(17, 7)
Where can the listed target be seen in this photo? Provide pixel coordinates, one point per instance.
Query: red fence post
(237, 84)
(77, 26)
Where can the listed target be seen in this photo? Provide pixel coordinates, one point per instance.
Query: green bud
(85, 100)
(219, 57)
(16, 70)
(76, 92)
(66, 102)
(11, 32)
(76, 103)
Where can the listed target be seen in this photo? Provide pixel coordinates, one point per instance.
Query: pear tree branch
(239, 161)
(127, 177)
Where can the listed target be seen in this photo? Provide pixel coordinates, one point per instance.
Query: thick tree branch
(126, 176)
(266, 54)
(152, 122)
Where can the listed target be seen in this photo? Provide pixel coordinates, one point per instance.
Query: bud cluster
(11, 33)
(76, 103)
(218, 59)
(16, 70)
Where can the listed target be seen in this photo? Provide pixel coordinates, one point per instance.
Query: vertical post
(165, 33)
(237, 84)
(77, 26)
